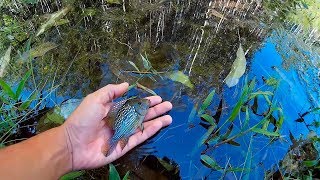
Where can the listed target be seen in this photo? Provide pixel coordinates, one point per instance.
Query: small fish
(124, 118)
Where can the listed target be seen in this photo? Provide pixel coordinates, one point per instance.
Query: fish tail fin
(108, 149)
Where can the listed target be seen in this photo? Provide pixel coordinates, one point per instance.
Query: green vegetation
(269, 124)
(71, 48)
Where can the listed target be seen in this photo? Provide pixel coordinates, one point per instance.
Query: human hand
(88, 134)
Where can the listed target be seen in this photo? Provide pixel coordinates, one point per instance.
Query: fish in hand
(124, 118)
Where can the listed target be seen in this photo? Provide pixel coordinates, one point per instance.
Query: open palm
(88, 133)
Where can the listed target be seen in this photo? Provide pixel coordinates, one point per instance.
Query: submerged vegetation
(55, 52)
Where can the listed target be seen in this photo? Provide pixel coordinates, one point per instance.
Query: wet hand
(88, 133)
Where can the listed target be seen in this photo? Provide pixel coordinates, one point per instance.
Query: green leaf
(146, 63)
(4, 100)
(114, 1)
(22, 84)
(72, 175)
(113, 173)
(265, 132)
(203, 139)
(179, 76)
(206, 102)
(7, 89)
(134, 65)
(192, 115)
(235, 111)
(209, 119)
(310, 163)
(4, 61)
(54, 117)
(209, 162)
(228, 132)
(246, 122)
(238, 68)
(125, 177)
(53, 19)
(262, 93)
(315, 109)
(27, 103)
(42, 49)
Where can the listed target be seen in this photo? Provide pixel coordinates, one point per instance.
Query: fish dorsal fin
(112, 114)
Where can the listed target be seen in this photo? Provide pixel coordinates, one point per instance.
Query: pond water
(94, 43)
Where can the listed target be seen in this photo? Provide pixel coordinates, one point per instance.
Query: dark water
(94, 48)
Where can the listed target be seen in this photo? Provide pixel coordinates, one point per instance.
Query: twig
(143, 72)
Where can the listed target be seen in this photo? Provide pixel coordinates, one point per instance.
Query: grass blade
(7, 89)
(209, 162)
(113, 173)
(125, 177)
(72, 175)
(265, 132)
(22, 84)
(27, 103)
(206, 102)
(134, 65)
(146, 89)
(209, 119)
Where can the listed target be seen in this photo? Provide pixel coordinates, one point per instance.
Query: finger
(152, 128)
(158, 110)
(110, 92)
(154, 100)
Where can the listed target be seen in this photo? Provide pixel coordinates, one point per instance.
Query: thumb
(111, 91)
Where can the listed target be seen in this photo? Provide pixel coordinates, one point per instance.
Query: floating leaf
(209, 119)
(53, 19)
(134, 65)
(209, 162)
(22, 84)
(237, 69)
(113, 173)
(178, 76)
(72, 175)
(4, 61)
(7, 89)
(206, 102)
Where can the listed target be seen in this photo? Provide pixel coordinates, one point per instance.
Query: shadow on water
(89, 44)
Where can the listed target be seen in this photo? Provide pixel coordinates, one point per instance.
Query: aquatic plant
(246, 108)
